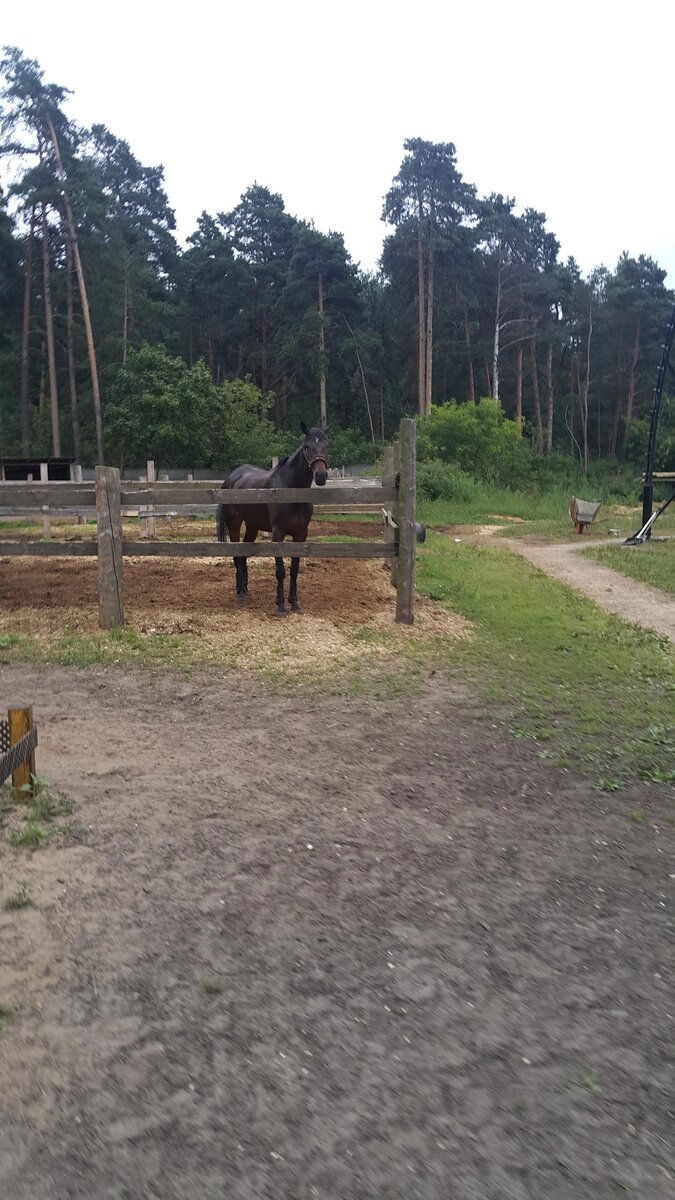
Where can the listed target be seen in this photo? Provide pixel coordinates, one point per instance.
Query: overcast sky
(567, 107)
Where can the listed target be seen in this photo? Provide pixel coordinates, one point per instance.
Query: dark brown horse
(310, 462)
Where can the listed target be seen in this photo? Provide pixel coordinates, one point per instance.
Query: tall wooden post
(110, 561)
(76, 477)
(390, 533)
(150, 527)
(20, 722)
(44, 478)
(405, 519)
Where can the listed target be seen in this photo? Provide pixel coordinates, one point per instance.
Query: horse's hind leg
(250, 534)
(234, 530)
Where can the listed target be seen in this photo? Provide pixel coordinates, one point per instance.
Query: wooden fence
(109, 495)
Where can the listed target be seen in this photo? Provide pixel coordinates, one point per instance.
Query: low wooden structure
(108, 496)
(18, 739)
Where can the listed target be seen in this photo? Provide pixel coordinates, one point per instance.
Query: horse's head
(315, 450)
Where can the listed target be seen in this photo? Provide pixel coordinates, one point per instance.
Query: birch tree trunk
(495, 345)
(469, 361)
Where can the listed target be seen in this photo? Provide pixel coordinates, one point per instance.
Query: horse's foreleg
(281, 575)
(234, 530)
(293, 590)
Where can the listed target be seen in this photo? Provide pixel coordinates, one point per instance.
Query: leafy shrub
(477, 437)
(437, 480)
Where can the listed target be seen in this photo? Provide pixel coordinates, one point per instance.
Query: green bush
(437, 480)
(477, 437)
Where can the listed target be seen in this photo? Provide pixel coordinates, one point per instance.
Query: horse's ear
(304, 428)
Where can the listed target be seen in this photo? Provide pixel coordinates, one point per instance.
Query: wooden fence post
(150, 526)
(20, 721)
(110, 560)
(388, 480)
(44, 478)
(405, 519)
(76, 477)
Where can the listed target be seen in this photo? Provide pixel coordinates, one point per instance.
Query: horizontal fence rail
(204, 549)
(83, 495)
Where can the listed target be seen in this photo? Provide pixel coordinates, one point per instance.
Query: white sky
(564, 106)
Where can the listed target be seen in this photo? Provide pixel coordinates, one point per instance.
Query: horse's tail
(221, 527)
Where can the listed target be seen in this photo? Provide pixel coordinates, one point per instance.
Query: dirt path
(310, 947)
(616, 593)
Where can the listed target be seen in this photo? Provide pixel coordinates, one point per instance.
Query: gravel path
(616, 593)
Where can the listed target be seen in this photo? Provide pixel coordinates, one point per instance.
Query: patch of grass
(212, 987)
(33, 837)
(652, 563)
(7, 1014)
(21, 898)
(566, 668)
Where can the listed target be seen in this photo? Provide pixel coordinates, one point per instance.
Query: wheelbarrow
(583, 513)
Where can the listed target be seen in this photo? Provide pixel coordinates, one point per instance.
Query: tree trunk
(430, 320)
(583, 397)
(49, 330)
(549, 396)
(75, 422)
(42, 395)
(25, 339)
(84, 302)
(536, 398)
(469, 361)
(519, 383)
(125, 317)
(495, 347)
(323, 415)
(421, 354)
(630, 400)
(381, 410)
(264, 354)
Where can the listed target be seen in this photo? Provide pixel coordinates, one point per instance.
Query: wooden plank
(258, 549)
(34, 495)
(110, 562)
(175, 494)
(133, 495)
(405, 519)
(140, 549)
(20, 721)
(49, 549)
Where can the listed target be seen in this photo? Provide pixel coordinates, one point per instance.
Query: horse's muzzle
(320, 477)
(320, 471)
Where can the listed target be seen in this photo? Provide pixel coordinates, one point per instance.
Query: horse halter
(318, 458)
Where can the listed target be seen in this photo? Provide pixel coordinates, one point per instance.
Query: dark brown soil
(311, 947)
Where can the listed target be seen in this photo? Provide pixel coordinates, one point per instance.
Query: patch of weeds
(591, 1081)
(657, 775)
(33, 837)
(7, 1014)
(21, 898)
(212, 987)
(638, 817)
(8, 639)
(609, 785)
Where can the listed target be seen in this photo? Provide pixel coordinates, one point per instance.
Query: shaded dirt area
(309, 947)
(616, 593)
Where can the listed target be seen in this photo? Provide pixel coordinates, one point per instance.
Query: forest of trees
(115, 342)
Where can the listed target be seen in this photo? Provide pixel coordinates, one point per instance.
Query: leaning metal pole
(648, 491)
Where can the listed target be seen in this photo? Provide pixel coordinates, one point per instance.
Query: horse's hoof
(280, 612)
(242, 597)
(295, 608)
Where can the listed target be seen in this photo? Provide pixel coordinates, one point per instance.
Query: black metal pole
(648, 489)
